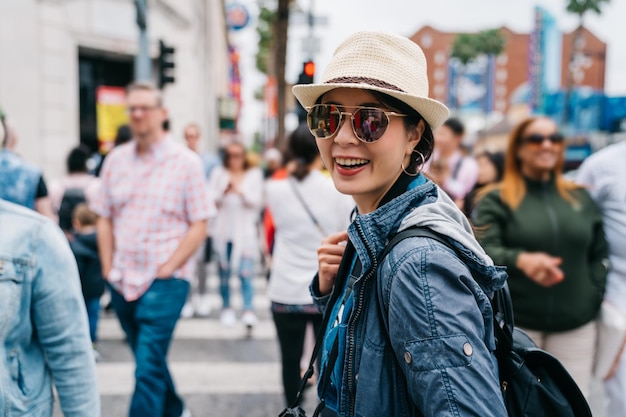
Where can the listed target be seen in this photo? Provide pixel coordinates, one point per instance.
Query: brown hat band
(364, 80)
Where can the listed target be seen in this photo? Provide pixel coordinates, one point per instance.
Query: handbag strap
(306, 206)
(344, 271)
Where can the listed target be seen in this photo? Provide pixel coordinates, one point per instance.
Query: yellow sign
(110, 115)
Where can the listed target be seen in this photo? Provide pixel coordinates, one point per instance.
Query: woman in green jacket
(548, 233)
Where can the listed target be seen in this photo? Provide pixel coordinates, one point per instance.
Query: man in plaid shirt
(153, 209)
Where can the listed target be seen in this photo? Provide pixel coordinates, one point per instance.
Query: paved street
(219, 371)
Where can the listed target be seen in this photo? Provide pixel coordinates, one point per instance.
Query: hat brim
(434, 112)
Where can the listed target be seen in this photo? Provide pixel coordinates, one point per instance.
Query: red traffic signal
(309, 69)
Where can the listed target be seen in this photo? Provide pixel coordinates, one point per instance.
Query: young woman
(305, 207)
(412, 333)
(238, 192)
(548, 232)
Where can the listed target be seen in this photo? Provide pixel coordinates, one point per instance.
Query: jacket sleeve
(60, 320)
(321, 301)
(490, 221)
(598, 252)
(439, 327)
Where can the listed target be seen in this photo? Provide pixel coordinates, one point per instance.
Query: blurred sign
(544, 59)
(110, 115)
(237, 16)
(470, 86)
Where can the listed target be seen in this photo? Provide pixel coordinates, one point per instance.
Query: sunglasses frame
(555, 138)
(352, 120)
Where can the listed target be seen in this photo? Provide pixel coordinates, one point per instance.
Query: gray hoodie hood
(427, 206)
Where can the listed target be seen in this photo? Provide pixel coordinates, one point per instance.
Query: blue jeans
(93, 312)
(246, 272)
(149, 324)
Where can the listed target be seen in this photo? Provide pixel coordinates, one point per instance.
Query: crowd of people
(375, 157)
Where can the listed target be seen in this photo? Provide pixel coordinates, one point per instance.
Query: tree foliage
(581, 7)
(265, 28)
(469, 46)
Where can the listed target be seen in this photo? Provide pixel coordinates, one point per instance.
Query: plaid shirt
(151, 201)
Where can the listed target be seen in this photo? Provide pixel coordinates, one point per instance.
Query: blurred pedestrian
(306, 207)
(77, 187)
(412, 334)
(198, 300)
(454, 172)
(548, 233)
(43, 323)
(85, 249)
(605, 174)
(153, 207)
(490, 170)
(20, 181)
(238, 193)
(273, 162)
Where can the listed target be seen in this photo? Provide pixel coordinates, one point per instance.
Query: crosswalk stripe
(198, 378)
(196, 328)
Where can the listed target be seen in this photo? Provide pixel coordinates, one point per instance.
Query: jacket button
(468, 349)
(407, 357)
(356, 377)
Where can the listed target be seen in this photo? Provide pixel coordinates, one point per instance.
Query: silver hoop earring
(421, 165)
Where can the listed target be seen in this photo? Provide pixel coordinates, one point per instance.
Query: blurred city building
(498, 87)
(530, 76)
(64, 65)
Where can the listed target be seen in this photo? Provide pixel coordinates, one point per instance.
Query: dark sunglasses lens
(534, 139)
(537, 139)
(370, 124)
(556, 138)
(323, 120)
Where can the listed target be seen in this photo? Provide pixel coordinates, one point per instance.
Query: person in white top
(238, 193)
(604, 173)
(306, 207)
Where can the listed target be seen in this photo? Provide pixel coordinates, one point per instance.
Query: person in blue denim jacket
(44, 335)
(413, 332)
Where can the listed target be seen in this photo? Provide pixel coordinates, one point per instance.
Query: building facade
(56, 53)
(507, 81)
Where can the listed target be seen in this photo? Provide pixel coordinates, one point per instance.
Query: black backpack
(534, 383)
(71, 198)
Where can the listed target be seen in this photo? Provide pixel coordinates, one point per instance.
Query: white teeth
(350, 161)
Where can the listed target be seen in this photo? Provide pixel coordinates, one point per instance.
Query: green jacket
(545, 222)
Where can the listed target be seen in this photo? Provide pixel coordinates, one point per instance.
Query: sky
(405, 17)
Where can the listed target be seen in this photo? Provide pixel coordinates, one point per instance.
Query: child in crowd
(85, 248)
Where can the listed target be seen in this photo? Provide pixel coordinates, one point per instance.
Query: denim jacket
(437, 357)
(43, 323)
(18, 179)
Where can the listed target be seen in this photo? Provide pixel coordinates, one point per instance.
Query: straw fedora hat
(383, 62)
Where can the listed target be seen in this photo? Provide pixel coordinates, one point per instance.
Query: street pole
(143, 70)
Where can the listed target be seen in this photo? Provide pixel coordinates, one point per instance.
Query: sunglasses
(537, 139)
(368, 123)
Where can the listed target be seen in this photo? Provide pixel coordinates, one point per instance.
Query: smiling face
(365, 171)
(538, 160)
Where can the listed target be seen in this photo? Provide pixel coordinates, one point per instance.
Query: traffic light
(166, 64)
(308, 72)
(306, 77)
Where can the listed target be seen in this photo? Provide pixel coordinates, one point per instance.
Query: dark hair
(77, 159)
(455, 125)
(497, 160)
(5, 131)
(426, 144)
(246, 163)
(123, 135)
(302, 149)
